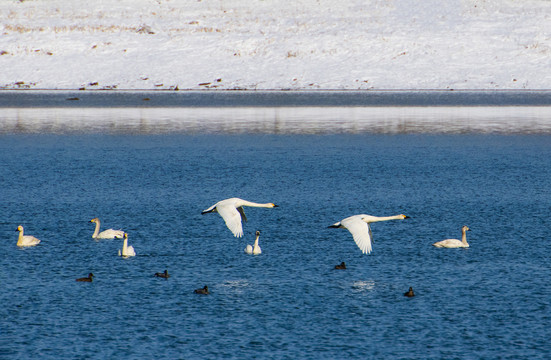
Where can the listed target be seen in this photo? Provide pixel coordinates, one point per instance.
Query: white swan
(254, 250)
(106, 234)
(127, 251)
(232, 212)
(454, 243)
(26, 240)
(358, 225)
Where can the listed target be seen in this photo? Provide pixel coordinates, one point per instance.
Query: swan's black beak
(276, 205)
(407, 217)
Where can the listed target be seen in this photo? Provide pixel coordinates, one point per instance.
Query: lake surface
(152, 171)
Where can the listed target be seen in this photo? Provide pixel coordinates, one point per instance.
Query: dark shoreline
(269, 98)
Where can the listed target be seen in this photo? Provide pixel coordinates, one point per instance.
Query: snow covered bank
(270, 44)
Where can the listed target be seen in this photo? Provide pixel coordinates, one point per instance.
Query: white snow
(275, 44)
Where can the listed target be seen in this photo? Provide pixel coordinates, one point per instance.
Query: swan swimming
(127, 251)
(232, 212)
(25, 240)
(254, 250)
(106, 234)
(454, 243)
(86, 279)
(358, 225)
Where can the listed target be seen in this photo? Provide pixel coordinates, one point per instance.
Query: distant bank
(274, 98)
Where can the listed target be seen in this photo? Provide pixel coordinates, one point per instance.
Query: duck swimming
(202, 291)
(341, 266)
(86, 279)
(409, 293)
(163, 275)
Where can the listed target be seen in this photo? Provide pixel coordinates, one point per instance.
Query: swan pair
(358, 225)
(231, 210)
(127, 250)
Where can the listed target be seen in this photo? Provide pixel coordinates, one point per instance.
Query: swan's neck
(20, 238)
(464, 238)
(253, 204)
(96, 232)
(370, 219)
(256, 241)
(125, 246)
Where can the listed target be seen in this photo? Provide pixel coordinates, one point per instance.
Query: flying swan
(254, 250)
(127, 251)
(454, 243)
(25, 240)
(232, 212)
(358, 225)
(106, 234)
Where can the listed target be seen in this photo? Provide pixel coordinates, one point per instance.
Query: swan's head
(94, 220)
(125, 236)
(404, 216)
(465, 228)
(257, 233)
(274, 205)
(19, 228)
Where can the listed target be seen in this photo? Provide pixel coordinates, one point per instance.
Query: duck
(455, 243)
(231, 210)
(359, 227)
(163, 275)
(255, 249)
(86, 279)
(202, 291)
(409, 293)
(26, 240)
(341, 266)
(106, 234)
(127, 250)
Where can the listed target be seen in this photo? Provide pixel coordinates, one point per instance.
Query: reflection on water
(278, 120)
(364, 285)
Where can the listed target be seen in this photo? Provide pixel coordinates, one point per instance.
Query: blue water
(489, 301)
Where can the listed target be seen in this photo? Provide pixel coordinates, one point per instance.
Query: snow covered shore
(269, 44)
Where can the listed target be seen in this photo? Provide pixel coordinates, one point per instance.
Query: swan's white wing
(29, 240)
(232, 217)
(130, 251)
(111, 234)
(361, 232)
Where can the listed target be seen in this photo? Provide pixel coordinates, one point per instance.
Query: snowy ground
(274, 44)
